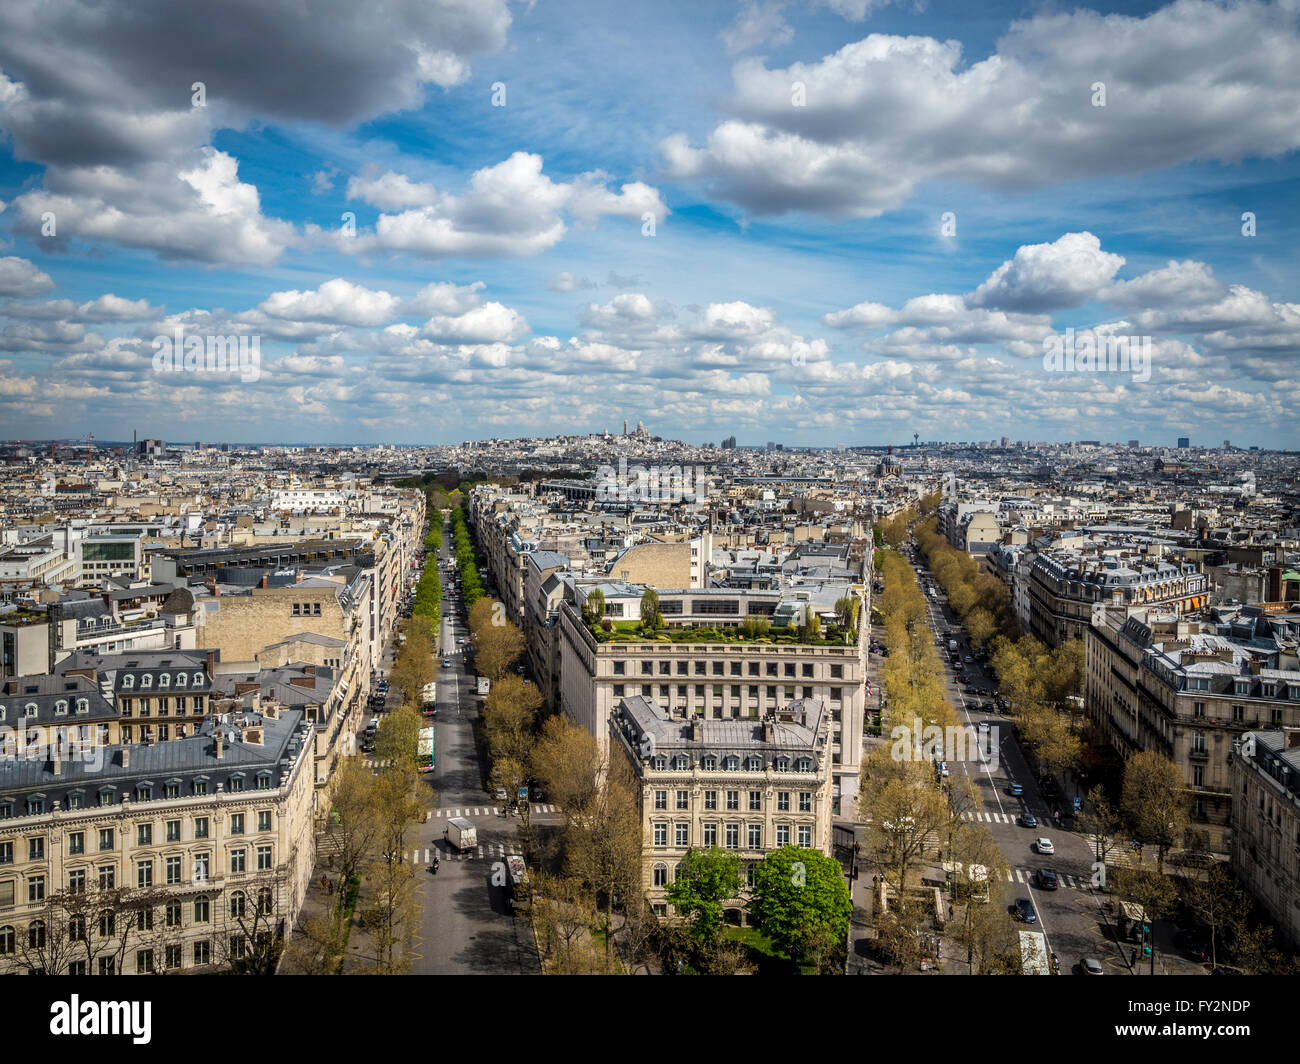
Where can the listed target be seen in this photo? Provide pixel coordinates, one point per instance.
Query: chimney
(1292, 738)
(299, 580)
(265, 577)
(126, 756)
(211, 663)
(697, 731)
(219, 743)
(769, 732)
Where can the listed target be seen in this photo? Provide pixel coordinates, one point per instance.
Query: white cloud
(18, 277)
(336, 301)
(1065, 273)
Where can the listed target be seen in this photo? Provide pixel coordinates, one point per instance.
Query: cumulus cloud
(1065, 273)
(337, 301)
(18, 277)
(887, 112)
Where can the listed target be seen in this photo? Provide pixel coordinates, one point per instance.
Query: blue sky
(503, 278)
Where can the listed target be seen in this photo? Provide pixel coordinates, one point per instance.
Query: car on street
(1047, 879)
(1193, 944)
(1015, 790)
(537, 793)
(969, 660)
(1028, 820)
(984, 725)
(1044, 845)
(1024, 910)
(446, 663)
(500, 794)
(1091, 966)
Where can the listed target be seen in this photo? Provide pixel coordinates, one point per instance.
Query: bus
(424, 751)
(429, 699)
(1033, 954)
(518, 889)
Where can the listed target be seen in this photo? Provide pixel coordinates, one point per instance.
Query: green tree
(1155, 802)
(593, 610)
(705, 879)
(650, 608)
(800, 898)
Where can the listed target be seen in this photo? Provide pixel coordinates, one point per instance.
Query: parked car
(1048, 879)
(446, 663)
(984, 725)
(1024, 911)
(1015, 790)
(1028, 820)
(1091, 966)
(1044, 845)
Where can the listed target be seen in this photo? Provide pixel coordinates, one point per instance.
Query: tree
(650, 608)
(705, 879)
(1216, 902)
(354, 821)
(398, 738)
(800, 900)
(1153, 891)
(593, 609)
(563, 761)
(509, 716)
(847, 608)
(499, 647)
(1155, 801)
(903, 811)
(1102, 821)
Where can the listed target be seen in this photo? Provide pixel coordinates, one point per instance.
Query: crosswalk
(491, 810)
(990, 818)
(486, 850)
(1025, 876)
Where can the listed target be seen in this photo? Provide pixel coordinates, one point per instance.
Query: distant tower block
(916, 439)
(950, 485)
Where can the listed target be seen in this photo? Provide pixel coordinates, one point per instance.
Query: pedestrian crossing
(491, 810)
(487, 850)
(990, 818)
(1025, 877)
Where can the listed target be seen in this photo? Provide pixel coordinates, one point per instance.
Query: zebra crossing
(990, 818)
(486, 850)
(1025, 877)
(490, 810)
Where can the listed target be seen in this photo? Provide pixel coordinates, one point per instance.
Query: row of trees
(471, 583)
(428, 592)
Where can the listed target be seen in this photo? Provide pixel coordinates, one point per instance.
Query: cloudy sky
(828, 221)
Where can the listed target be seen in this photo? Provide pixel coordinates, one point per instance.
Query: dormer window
(680, 763)
(128, 681)
(83, 705)
(754, 764)
(146, 680)
(710, 763)
(3, 712)
(660, 763)
(782, 764)
(180, 679)
(31, 709)
(803, 765)
(198, 680)
(165, 680)
(1242, 687)
(61, 708)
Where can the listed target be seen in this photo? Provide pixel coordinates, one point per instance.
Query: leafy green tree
(800, 898)
(705, 879)
(1155, 802)
(650, 608)
(593, 610)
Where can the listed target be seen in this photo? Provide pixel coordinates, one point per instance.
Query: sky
(821, 222)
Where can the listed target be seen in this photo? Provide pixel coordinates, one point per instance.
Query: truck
(461, 834)
(484, 685)
(952, 646)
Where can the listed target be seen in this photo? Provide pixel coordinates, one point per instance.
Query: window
(683, 799)
(202, 910)
(107, 965)
(661, 875)
(6, 810)
(236, 783)
(710, 834)
(77, 928)
(7, 894)
(144, 920)
(783, 834)
(733, 836)
(6, 853)
(805, 835)
(144, 961)
(237, 905)
(201, 827)
(200, 787)
(710, 799)
(173, 911)
(264, 820)
(35, 888)
(165, 680)
(237, 862)
(264, 900)
(781, 764)
(77, 967)
(238, 946)
(173, 790)
(661, 834)
(202, 951)
(172, 957)
(1198, 775)
(710, 763)
(681, 763)
(36, 848)
(36, 934)
(180, 679)
(144, 874)
(263, 781)
(783, 801)
(805, 801)
(755, 836)
(76, 800)
(620, 668)
(173, 870)
(733, 799)
(61, 708)
(107, 877)
(683, 834)
(732, 763)
(105, 838)
(236, 823)
(200, 868)
(661, 799)
(144, 834)
(35, 806)
(106, 797)
(263, 858)
(77, 842)
(173, 831)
